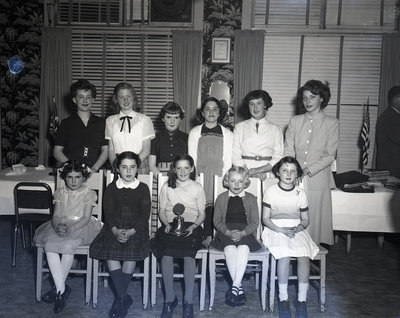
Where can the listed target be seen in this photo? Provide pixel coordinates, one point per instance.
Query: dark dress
(124, 208)
(235, 220)
(167, 145)
(80, 141)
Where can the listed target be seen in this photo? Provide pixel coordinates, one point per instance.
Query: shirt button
(305, 162)
(306, 152)
(308, 141)
(309, 131)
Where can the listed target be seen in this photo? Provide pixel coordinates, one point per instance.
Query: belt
(257, 158)
(164, 166)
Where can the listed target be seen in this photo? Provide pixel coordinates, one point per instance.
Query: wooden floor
(365, 283)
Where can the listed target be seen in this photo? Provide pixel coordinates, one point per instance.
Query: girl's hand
(190, 229)
(130, 232)
(237, 235)
(288, 231)
(167, 228)
(61, 229)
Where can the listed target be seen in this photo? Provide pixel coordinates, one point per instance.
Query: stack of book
(377, 176)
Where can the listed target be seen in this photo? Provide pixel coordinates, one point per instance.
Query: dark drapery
(187, 48)
(56, 67)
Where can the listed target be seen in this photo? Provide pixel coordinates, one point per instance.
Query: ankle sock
(303, 289)
(283, 293)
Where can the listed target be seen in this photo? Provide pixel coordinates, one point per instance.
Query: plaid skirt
(165, 244)
(106, 247)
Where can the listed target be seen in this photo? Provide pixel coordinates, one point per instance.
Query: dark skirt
(106, 247)
(221, 240)
(165, 244)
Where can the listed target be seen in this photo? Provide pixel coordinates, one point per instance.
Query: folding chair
(95, 182)
(33, 204)
(201, 255)
(100, 271)
(316, 273)
(261, 257)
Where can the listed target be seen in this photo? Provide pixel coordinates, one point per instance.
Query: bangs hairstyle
(117, 88)
(288, 159)
(172, 108)
(172, 177)
(74, 165)
(238, 170)
(393, 92)
(256, 94)
(222, 110)
(317, 88)
(126, 155)
(83, 85)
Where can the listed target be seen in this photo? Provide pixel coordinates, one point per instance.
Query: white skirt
(280, 245)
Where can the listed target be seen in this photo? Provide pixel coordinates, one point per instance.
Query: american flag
(365, 137)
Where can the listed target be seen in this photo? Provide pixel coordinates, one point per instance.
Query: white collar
(121, 184)
(240, 195)
(132, 114)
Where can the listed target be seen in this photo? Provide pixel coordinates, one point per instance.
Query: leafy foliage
(20, 36)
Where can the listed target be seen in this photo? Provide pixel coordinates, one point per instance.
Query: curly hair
(172, 177)
(256, 94)
(317, 88)
(288, 159)
(124, 85)
(74, 165)
(172, 108)
(83, 85)
(238, 170)
(222, 110)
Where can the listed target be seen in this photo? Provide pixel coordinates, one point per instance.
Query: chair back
(33, 201)
(96, 183)
(254, 188)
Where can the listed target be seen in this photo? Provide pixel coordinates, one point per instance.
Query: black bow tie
(123, 122)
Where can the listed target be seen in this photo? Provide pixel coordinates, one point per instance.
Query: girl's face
(74, 180)
(236, 182)
(211, 112)
(172, 121)
(257, 108)
(125, 100)
(287, 174)
(183, 169)
(312, 102)
(83, 100)
(127, 170)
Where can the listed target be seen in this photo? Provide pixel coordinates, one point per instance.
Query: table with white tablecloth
(8, 182)
(366, 212)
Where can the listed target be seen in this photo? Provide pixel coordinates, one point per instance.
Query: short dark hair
(126, 155)
(287, 159)
(84, 85)
(124, 85)
(393, 92)
(172, 108)
(316, 87)
(172, 174)
(222, 110)
(74, 165)
(256, 94)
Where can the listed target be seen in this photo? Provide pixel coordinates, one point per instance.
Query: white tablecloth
(366, 212)
(8, 182)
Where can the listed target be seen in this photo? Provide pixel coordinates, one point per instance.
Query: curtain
(248, 67)
(56, 68)
(186, 56)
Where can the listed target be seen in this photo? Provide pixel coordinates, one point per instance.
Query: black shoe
(284, 309)
(168, 309)
(126, 303)
(187, 311)
(301, 309)
(61, 300)
(116, 308)
(50, 296)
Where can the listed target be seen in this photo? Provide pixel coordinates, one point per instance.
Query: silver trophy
(178, 227)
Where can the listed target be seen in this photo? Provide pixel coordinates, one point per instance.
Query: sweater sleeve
(252, 214)
(109, 206)
(220, 213)
(145, 208)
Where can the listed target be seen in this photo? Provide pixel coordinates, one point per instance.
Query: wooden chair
(261, 257)
(33, 204)
(201, 255)
(101, 271)
(95, 182)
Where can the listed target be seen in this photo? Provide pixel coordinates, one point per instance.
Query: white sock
(283, 294)
(303, 289)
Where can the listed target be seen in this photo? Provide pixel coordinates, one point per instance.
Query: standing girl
(285, 216)
(71, 226)
(210, 145)
(236, 218)
(180, 189)
(129, 130)
(124, 238)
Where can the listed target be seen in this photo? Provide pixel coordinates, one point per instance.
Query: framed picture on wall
(221, 50)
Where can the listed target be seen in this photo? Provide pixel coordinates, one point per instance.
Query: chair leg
(23, 236)
(89, 267)
(146, 274)
(211, 267)
(153, 281)
(203, 281)
(264, 278)
(39, 273)
(14, 247)
(95, 282)
(322, 283)
(272, 284)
